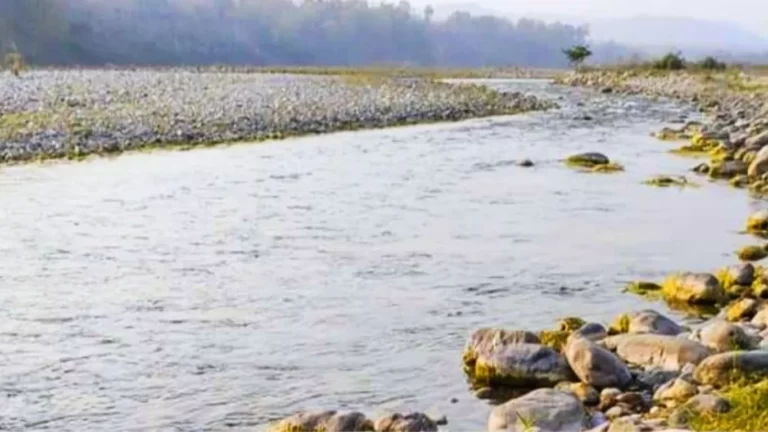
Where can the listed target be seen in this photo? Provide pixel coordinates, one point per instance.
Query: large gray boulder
(524, 365)
(595, 365)
(722, 369)
(657, 351)
(545, 409)
(693, 288)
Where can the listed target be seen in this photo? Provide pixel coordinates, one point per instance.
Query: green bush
(671, 61)
(713, 64)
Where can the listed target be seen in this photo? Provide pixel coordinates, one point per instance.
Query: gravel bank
(75, 113)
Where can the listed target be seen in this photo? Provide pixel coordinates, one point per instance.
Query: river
(225, 288)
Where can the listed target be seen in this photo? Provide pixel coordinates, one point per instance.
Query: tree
(577, 54)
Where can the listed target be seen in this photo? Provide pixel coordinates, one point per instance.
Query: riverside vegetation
(643, 371)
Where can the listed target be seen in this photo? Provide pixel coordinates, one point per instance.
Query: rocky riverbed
(74, 113)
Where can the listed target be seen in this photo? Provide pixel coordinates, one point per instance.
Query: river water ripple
(224, 288)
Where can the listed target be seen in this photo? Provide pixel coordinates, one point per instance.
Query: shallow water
(221, 289)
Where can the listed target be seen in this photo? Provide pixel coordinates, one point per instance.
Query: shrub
(577, 54)
(713, 64)
(671, 61)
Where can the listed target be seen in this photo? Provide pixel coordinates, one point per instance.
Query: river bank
(52, 114)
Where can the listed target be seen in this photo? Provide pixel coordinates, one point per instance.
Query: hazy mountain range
(651, 34)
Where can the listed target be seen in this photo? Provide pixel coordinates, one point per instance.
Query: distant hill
(686, 34)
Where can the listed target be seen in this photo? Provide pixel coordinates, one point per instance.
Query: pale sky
(752, 14)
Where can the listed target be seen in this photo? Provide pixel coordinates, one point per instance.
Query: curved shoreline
(71, 114)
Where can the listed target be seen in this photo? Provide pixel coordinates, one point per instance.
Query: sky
(751, 14)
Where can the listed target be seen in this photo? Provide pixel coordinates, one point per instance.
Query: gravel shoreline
(54, 114)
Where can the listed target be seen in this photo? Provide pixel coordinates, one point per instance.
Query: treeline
(273, 32)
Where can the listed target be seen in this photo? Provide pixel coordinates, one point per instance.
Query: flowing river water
(225, 288)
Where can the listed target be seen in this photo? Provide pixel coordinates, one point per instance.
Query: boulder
(693, 288)
(758, 221)
(595, 365)
(759, 164)
(416, 422)
(657, 351)
(723, 336)
(545, 409)
(327, 421)
(675, 393)
(722, 369)
(519, 365)
(646, 321)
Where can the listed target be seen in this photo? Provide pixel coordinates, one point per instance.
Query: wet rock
(416, 422)
(721, 369)
(723, 336)
(545, 409)
(595, 365)
(675, 393)
(588, 160)
(646, 321)
(657, 351)
(329, 421)
(693, 288)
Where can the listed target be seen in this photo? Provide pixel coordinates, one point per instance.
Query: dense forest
(272, 32)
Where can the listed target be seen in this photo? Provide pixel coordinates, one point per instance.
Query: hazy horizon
(752, 15)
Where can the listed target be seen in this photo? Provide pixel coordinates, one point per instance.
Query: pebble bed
(49, 114)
